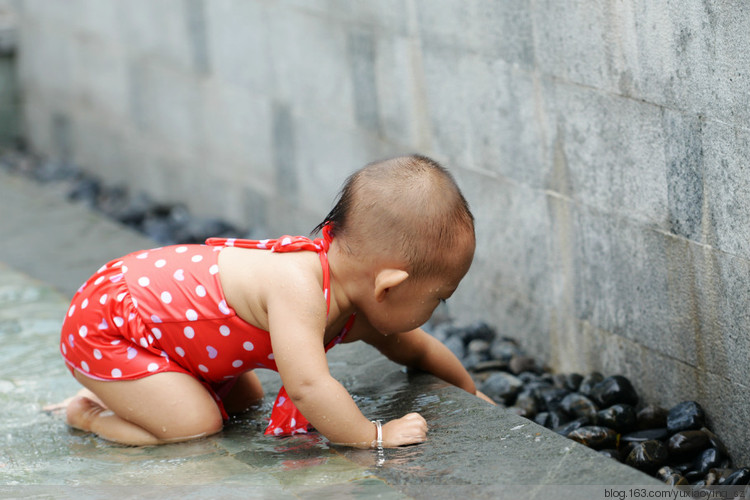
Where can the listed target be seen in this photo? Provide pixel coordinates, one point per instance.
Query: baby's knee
(192, 425)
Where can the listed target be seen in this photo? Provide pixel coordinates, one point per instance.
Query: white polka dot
(152, 367)
(166, 297)
(132, 352)
(179, 275)
(116, 278)
(179, 350)
(248, 346)
(131, 316)
(99, 280)
(103, 299)
(118, 321)
(189, 332)
(103, 325)
(196, 258)
(224, 330)
(203, 368)
(83, 331)
(224, 308)
(150, 339)
(293, 422)
(271, 356)
(156, 332)
(200, 291)
(237, 363)
(286, 241)
(115, 342)
(124, 269)
(144, 342)
(277, 431)
(144, 281)
(85, 366)
(101, 269)
(116, 373)
(71, 340)
(213, 269)
(191, 315)
(85, 303)
(97, 354)
(135, 303)
(212, 352)
(121, 296)
(142, 255)
(181, 249)
(71, 310)
(160, 263)
(64, 349)
(281, 402)
(155, 318)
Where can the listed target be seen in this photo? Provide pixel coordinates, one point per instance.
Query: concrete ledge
(470, 442)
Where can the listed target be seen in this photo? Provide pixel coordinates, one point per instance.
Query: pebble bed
(604, 413)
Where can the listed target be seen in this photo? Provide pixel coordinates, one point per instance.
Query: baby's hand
(409, 429)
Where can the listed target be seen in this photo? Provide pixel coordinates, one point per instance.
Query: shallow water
(38, 449)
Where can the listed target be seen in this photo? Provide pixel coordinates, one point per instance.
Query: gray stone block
(726, 157)
(499, 30)
(285, 153)
(634, 282)
(572, 42)
(723, 291)
(626, 180)
(164, 103)
(314, 77)
(238, 133)
(239, 47)
(692, 56)
(158, 30)
(685, 179)
(364, 84)
(401, 113)
(482, 114)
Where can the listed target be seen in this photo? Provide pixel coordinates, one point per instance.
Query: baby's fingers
(409, 429)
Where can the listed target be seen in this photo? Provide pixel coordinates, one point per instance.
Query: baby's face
(410, 305)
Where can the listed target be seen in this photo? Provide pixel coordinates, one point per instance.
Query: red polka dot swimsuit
(164, 310)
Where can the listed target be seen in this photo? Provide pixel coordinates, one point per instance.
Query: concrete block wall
(603, 146)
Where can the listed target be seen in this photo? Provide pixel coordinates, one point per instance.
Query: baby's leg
(246, 392)
(161, 408)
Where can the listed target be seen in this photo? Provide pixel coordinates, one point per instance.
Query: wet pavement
(49, 246)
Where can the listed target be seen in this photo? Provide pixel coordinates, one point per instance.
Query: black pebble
(685, 416)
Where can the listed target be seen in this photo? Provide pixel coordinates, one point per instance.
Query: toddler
(165, 340)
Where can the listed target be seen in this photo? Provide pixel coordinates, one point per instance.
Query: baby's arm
(297, 323)
(417, 349)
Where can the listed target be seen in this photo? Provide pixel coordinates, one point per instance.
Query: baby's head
(405, 212)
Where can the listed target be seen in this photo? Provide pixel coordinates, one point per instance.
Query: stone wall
(603, 146)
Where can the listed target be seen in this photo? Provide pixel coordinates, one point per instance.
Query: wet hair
(410, 205)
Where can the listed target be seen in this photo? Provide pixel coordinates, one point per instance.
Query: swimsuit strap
(290, 244)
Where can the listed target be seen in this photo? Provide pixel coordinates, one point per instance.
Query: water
(37, 448)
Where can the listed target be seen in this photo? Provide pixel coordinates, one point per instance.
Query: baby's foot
(81, 411)
(62, 405)
(56, 407)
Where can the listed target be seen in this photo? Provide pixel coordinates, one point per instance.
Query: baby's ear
(387, 279)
